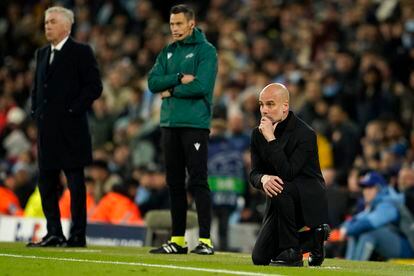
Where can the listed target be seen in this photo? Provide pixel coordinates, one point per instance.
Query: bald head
(279, 90)
(274, 102)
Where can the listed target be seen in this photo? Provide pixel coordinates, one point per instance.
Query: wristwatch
(179, 77)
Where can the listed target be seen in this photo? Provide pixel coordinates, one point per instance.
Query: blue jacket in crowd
(383, 211)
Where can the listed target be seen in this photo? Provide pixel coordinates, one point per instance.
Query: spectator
(153, 191)
(101, 124)
(376, 227)
(406, 186)
(9, 203)
(64, 201)
(103, 178)
(16, 141)
(344, 137)
(117, 206)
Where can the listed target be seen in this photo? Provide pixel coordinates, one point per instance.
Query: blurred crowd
(348, 64)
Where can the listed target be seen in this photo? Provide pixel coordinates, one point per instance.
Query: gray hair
(68, 14)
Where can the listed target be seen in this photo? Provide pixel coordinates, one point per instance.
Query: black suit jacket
(62, 93)
(293, 156)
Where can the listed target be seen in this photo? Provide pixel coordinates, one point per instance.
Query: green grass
(15, 259)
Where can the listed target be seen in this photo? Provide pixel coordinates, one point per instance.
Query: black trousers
(283, 218)
(186, 149)
(49, 193)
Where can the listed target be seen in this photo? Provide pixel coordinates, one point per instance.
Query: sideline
(233, 272)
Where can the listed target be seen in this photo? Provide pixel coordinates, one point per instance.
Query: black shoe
(203, 249)
(49, 241)
(76, 241)
(169, 248)
(288, 257)
(317, 253)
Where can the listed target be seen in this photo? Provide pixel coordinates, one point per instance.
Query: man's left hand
(165, 94)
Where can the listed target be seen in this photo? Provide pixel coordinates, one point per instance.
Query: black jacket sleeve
(90, 81)
(256, 173)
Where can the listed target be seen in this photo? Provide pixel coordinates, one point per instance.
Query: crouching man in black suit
(66, 82)
(285, 165)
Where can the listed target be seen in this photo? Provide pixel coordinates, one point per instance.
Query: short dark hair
(188, 12)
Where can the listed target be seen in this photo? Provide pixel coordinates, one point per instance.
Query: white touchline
(138, 264)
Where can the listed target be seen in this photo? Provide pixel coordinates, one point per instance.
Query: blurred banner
(13, 229)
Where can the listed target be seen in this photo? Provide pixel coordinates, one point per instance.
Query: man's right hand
(272, 185)
(187, 79)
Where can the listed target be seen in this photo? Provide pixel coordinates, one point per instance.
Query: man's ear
(192, 24)
(286, 108)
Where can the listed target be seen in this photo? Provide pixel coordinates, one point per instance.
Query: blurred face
(180, 26)
(344, 63)
(374, 132)
(313, 91)
(236, 123)
(22, 177)
(145, 180)
(273, 104)
(335, 115)
(57, 27)
(121, 155)
(159, 180)
(369, 193)
(394, 131)
(98, 174)
(405, 178)
(387, 160)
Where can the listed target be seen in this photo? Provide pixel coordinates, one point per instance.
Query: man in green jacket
(184, 74)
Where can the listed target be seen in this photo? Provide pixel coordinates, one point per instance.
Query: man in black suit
(66, 82)
(285, 166)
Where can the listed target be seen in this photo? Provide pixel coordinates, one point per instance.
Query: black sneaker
(288, 257)
(203, 249)
(169, 248)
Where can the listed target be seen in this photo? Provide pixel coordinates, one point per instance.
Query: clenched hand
(272, 185)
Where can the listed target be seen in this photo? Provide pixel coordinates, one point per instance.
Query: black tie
(52, 55)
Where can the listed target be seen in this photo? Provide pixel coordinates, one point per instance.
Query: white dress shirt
(58, 47)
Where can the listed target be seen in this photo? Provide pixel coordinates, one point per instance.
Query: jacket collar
(196, 37)
(288, 124)
(57, 60)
